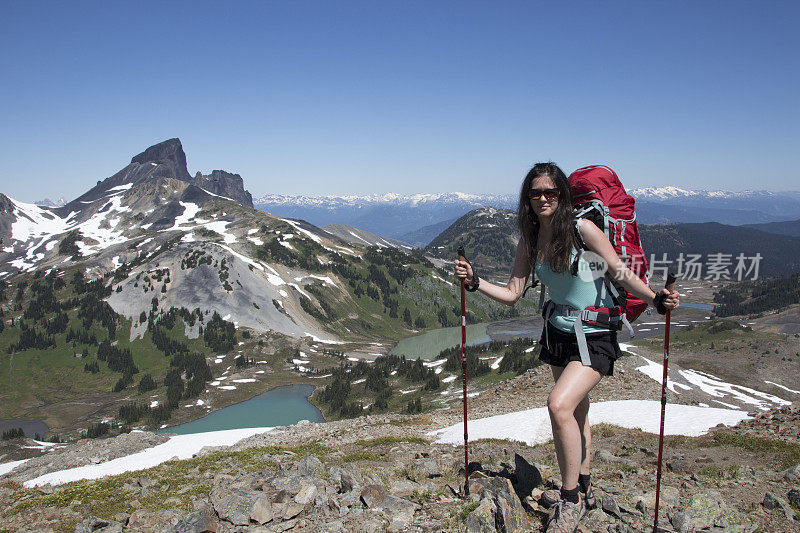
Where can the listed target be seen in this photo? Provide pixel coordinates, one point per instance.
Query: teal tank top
(567, 289)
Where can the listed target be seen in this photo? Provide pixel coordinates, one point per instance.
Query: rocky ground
(381, 473)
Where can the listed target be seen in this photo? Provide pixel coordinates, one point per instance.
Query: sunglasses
(550, 195)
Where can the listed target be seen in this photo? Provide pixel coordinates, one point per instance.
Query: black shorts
(603, 349)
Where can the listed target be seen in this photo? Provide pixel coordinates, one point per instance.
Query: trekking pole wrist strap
(658, 303)
(472, 286)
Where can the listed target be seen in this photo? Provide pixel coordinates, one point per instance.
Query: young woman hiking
(549, 245)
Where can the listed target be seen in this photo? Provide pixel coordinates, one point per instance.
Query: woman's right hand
(463, 271)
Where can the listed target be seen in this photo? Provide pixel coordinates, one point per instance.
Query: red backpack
(598, 195)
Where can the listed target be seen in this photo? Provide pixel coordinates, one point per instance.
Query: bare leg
(568, 407)
(582, 416)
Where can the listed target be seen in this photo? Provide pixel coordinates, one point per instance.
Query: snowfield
(177, 447)
(533, 425)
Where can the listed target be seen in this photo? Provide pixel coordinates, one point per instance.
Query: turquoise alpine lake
(704, 307)
(281, 406)
(429, 344)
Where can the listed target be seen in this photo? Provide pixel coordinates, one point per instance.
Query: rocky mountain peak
(170, 153)
(6, 206)
(222, 183)
(47, 202)
(163, 161)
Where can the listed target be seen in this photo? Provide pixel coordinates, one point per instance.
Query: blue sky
(332, 97)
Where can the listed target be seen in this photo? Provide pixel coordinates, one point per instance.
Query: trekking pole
(464, 370)
(669, 286)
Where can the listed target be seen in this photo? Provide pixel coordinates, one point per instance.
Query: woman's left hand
(671, 299)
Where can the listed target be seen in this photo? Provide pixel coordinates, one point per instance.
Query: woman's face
(543, 196)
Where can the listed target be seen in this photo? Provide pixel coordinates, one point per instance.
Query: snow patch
(189, 211)
(217, 195)
(441, 279)
(307, 233)
(240, 256)
(709, 384)
(782, 387)
(324, 279)
(359, 238)
(326, 341)
(5, 468)
(532, 426)
(177, 447)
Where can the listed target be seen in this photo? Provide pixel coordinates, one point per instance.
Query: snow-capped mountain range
(390, 215)
(653, 194)
(413, 200)
(418, 218)
(662, 194)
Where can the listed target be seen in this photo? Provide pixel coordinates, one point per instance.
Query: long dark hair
(559, 251)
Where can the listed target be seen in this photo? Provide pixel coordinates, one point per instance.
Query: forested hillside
(780, 254)
(489, 237)
(789, 227)
(754, 297)
(394, 383)
(63, 341)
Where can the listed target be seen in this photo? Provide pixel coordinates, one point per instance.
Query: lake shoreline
(236, 407)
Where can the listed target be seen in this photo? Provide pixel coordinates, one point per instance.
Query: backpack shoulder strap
(581, 246)
(578, 223)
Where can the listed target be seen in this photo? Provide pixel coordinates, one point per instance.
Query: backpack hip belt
(612, 318)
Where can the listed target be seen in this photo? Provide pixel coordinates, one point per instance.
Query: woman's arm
(514, 288)
(597, 242)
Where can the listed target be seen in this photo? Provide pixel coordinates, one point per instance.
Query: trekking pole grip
(670, 284)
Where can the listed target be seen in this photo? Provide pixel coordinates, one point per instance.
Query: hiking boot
(549, 498)
(552, 496)
(566, 516)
